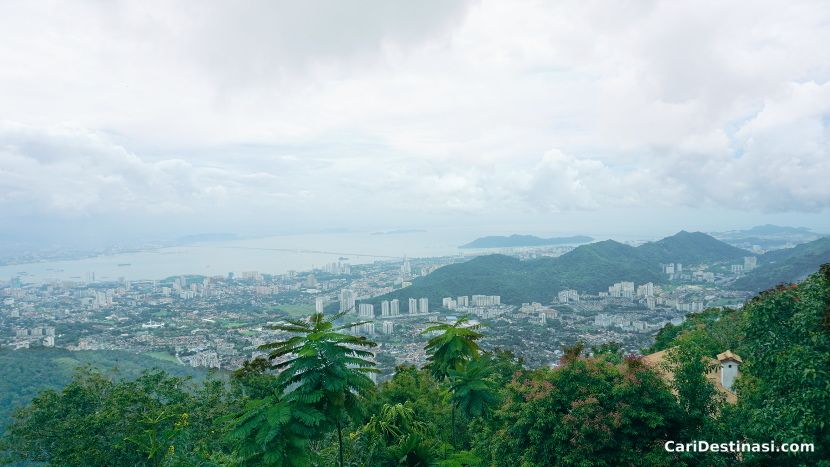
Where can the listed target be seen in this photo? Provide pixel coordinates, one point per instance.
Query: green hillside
(587, 268)
(24, 373)
(691, 248)
(786, 265)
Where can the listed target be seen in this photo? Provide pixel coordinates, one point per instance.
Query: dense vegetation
(25, 373)
(467, 407)
(523, 241)
(588, 268)
(786, 265)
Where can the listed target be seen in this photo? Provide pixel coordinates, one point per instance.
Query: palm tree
(326, 368)
(473, 391)
(453, 347)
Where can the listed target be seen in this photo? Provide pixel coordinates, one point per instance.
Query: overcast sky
(182, 117)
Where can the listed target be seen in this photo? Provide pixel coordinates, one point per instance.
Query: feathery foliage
(453, 347)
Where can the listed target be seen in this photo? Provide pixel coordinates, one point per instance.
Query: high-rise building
(750, 263)
(388, 327)
(645, 290)
(486, 300)
(347, 299)
(413, 306)
(367, 329)
(622, 289)
(463, 301)
(384, 308)
(319, 304)
(423, 305)
(366, 310)
(568, 295)
(395, 307)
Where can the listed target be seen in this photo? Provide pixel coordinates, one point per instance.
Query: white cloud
(412, 109)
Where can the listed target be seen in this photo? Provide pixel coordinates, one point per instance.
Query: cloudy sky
(169, 118)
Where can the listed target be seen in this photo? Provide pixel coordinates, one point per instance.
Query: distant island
(524, 240)
(398, 231)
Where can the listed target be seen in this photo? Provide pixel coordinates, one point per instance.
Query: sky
(155, 118)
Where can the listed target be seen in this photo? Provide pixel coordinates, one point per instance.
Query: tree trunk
(452, 426)
(340, 442)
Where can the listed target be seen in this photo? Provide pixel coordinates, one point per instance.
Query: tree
(784, 387)
(326, 369)
(155, 419)
(454, 346)
(586, 412)
(473, 390)
(275, 431)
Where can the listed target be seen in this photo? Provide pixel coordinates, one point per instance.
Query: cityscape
(220, 321)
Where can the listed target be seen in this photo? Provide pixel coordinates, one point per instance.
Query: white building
(645, 290)
(395, 307)
(486, 300)
(384, 308)
(319, 304)
(622, 289)
(568, 295)
(423, 305)
(413, 306)
(366, 310)
(388, 327)
(347, 299)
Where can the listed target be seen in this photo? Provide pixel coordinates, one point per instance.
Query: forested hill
(786, 265)
(588, 268)
(691, 248)
(24, 373)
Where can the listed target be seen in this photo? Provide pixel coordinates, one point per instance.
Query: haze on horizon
(152, 119)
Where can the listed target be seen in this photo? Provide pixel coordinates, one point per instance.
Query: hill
(524, 241)
(691, 248)
(768, 237)
(24, 373)
(786, 265)
(587, 268)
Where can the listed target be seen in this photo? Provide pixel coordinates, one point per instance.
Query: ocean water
(271, 255)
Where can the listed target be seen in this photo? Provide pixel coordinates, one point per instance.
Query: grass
(163, 356)
(233, 324)
(296, 311)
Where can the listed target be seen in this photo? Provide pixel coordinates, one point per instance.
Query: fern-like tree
(473, 390)
(453, 346)
(275, 431)
(326, 368)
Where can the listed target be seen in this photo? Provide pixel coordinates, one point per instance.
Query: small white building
(729, 365)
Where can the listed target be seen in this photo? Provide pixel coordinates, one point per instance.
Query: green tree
(325, 368)
(473, 390)
(155, 419)
(453, 347)
(784, 387)
(586, 412)
(275, 431)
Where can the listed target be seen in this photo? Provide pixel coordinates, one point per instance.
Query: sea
(266, 255)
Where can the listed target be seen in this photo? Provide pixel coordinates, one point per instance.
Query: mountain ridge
(588, 268)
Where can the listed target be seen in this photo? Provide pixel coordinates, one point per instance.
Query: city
(219, 322)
